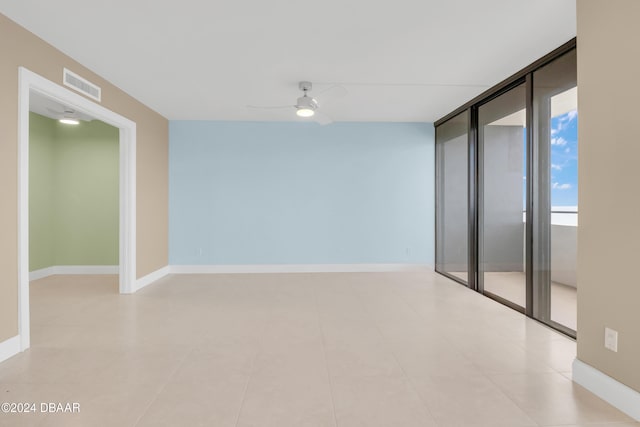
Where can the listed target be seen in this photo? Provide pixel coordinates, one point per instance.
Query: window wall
(507, 208)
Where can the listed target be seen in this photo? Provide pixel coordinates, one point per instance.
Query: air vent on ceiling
(83, 86)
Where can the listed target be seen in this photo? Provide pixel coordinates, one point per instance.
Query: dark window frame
(471, 108)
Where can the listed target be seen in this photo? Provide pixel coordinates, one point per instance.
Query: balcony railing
(561, 215)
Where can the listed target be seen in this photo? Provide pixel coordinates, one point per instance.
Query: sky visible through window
(564, 161)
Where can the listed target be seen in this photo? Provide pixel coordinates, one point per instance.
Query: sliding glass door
(506, 179)
(452, 162)
(502, 197)
(555, 224)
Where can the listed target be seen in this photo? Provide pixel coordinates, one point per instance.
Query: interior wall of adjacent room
(20, 48)
(609, 234)
(42, 136)
(73, 193)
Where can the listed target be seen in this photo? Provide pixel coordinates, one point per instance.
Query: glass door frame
(479, 192)
(542, 208)
(439, 160)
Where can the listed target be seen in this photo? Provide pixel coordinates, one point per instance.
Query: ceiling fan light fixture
(305, 112)
(306, 106)
(69, 118)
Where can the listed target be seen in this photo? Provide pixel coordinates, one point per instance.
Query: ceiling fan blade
(333, 92)
(52, 111)
(322, 119)
(269, 107)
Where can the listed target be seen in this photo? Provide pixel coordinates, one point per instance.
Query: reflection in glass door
(555, 103)
(452, 147)
(502, 197)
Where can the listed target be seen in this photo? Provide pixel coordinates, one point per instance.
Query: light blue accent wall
(300, 193)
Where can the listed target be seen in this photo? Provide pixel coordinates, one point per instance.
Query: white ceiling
(401, 60)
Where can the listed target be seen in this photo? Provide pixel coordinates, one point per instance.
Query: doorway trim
(28, 82)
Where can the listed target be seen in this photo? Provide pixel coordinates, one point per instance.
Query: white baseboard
(151, 277)
(296, 268)
(228, 269)
(73, 269)
(42, 273)
(9, 348)
(614, 392)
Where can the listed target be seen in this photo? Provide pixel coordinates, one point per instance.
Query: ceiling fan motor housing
(307, 102)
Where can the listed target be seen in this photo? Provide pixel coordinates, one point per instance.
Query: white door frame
(32, 82)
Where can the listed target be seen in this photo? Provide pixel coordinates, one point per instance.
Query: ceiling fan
(67, 116)
(306, 105)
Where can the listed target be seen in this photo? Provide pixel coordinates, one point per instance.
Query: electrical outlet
(611, 339)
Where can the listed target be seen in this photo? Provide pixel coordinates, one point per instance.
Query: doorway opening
(33, 85)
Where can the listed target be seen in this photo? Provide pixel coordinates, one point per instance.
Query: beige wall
(19, 47)
(609, 180)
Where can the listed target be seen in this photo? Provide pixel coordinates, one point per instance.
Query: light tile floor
(511, 285)
(378, 349)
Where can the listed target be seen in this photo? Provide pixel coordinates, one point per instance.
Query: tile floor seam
(161, 389)
(406, 377)
(151, 402)
(497, 386)
(523, 346)
(446, 338)
(400, 297)
(326, 360)
(251, 374)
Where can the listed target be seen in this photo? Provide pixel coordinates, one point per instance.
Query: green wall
(73, 193)
(41, 143)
